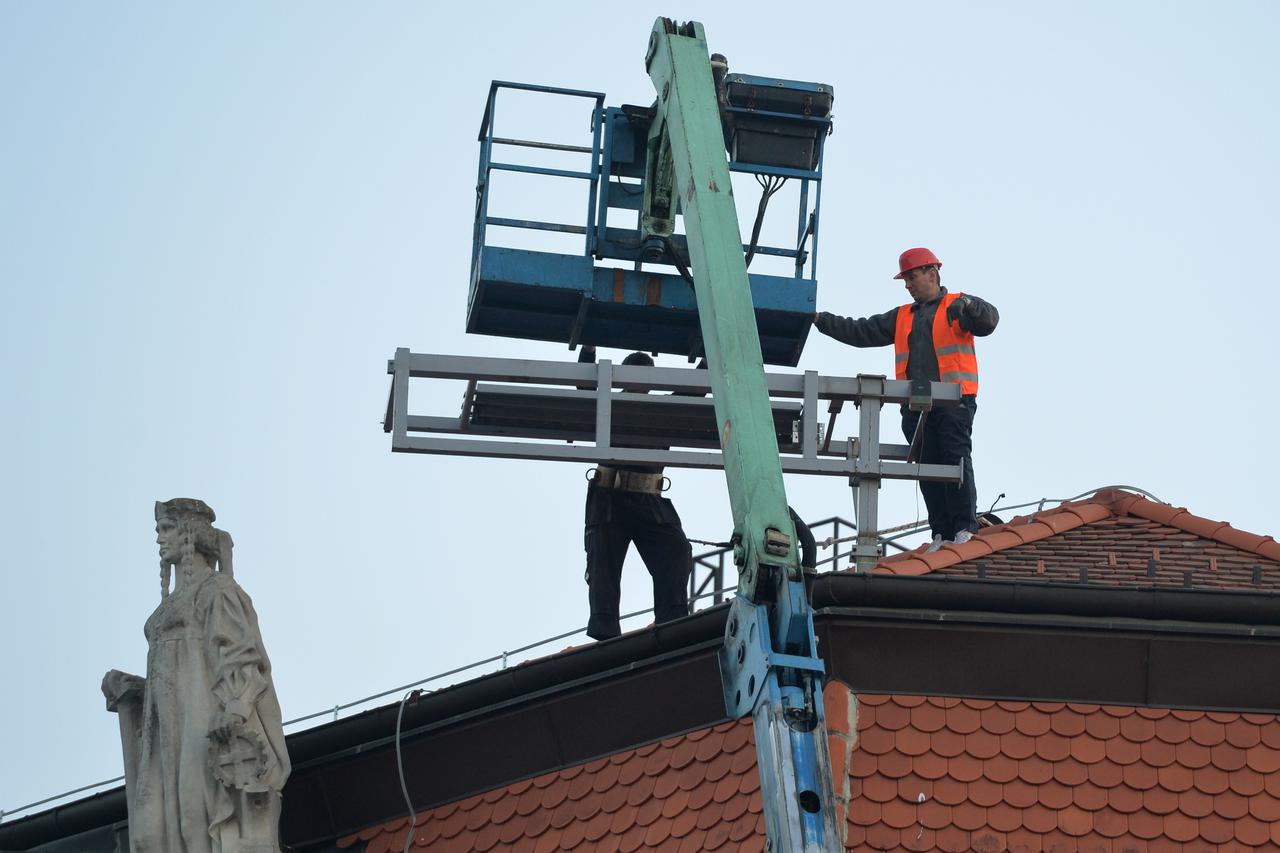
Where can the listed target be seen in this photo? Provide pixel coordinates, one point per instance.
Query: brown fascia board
(949, 636)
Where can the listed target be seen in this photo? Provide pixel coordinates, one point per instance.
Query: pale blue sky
(218, 222)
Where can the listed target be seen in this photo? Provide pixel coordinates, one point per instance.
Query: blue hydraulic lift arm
(769, 665)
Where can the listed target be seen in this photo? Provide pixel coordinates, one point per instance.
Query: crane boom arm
(769, 665)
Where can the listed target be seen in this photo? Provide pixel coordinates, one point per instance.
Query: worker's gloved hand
(958, 309)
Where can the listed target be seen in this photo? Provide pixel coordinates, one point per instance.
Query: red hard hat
(913, 258)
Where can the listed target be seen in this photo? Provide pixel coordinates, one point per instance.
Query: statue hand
(120, 687)
(225, 725)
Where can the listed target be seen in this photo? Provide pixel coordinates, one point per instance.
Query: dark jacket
(979, 318)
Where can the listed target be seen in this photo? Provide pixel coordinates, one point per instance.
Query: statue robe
(205, 655)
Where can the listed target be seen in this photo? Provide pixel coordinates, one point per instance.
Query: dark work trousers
(615, 518)
(948, 440)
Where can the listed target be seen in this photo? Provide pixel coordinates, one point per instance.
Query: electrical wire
(627, 188)
(769, 184)
(678, 260)
(404, 789)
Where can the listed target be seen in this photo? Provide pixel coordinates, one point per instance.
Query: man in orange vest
(933, 338)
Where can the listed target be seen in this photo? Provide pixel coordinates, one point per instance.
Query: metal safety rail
(713, 561)
(602, 413)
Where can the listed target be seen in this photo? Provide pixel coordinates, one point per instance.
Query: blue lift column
(769, 665)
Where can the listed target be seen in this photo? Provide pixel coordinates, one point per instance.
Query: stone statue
(204, 750)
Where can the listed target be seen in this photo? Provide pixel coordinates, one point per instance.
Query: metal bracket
(747, 657)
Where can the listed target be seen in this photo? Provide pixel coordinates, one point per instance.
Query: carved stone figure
(204, 750)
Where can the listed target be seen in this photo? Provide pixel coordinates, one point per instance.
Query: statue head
(185, 532)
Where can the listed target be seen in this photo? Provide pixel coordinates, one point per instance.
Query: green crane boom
(769, 665)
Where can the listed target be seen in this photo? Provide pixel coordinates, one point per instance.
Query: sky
(217, 223)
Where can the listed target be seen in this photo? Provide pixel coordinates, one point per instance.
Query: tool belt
(627, 481)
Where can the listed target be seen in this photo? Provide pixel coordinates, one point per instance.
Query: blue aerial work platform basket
(641, 297)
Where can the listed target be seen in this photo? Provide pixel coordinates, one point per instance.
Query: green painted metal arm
(769, 664)
(687, 134)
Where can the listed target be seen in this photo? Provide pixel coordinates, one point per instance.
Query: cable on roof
(404, 789)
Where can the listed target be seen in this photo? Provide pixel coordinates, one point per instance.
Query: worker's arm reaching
(874, 331)
(976, 316)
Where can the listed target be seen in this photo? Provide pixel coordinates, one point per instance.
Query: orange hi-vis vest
(957, 358)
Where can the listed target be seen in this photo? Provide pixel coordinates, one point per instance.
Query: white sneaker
(962, 537)
(935, 544)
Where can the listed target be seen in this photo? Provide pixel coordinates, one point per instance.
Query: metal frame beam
(868, 460)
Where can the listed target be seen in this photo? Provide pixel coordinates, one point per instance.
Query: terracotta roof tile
(1243, 734)
(930, 766)
(1159, 800)
(1146, 825)
(1088, 750)
(997, 720)
(928, 718)
(1110, 823)
(1265, 808)
(947, 743)
(1003, 817)
(965, 768)
(1247, 782)
(641, 790)
(1020, 794)
(1105, 774)
(1070, 772)
(1017, 745)
(1124, 799)
(986, 744)
(1227, 757)
(893, 764)
(1191, 754)
(1032, 722)
(1249, 830)
(898, 813)
(969, 817)
(950, 791)
(1035, 770)
(1230, 805)
(1157, 753)
(1216, 830)
(912, 742)
(1000, 768)
(1090, 797)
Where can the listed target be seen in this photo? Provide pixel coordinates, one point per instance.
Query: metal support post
(604, 400)
(866, 488)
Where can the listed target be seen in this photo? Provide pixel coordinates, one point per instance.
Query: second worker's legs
(606, 546)
(669, 558)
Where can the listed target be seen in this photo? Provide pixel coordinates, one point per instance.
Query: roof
(926, 773)
(1114, 537)
(947, 773)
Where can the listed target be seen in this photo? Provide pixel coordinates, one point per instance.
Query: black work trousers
(615, 519)
(948, 440)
